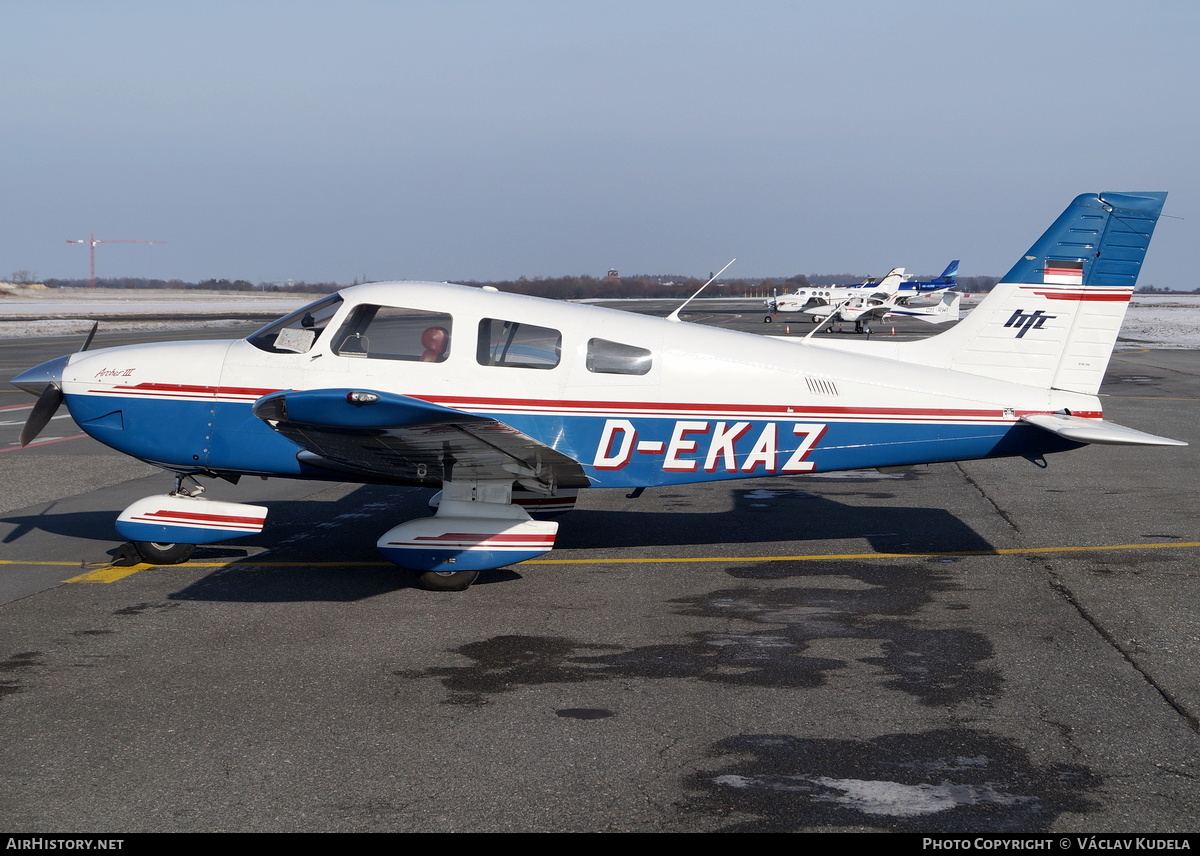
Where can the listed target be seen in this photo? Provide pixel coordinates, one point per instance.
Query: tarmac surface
(737, 656)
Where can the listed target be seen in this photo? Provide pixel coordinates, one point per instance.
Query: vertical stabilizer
(1053, 320)
(887, 286)
(949, 276)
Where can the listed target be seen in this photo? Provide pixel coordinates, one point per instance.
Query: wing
(877, 313)
(397, 438)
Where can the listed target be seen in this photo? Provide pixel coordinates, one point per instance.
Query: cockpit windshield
(298, 332)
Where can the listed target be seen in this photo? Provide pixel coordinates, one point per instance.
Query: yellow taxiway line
(112, 574)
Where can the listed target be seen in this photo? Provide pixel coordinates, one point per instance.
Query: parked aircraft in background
(863, 311)
(946, 279)
(497, 397)
(894, 283)
(810, 297)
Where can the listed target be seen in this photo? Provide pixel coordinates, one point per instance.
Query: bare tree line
(559, 287)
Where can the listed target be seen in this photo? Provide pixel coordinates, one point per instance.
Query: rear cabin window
(516, 345)
(605, 357)
(394, 333)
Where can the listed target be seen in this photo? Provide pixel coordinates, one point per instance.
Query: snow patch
(893, 799)
(1162, 321)
(880, 797)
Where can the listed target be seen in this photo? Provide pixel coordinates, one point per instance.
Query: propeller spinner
(45, 381)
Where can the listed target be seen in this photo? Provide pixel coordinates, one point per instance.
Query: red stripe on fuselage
(172, 390)
(777, 412)
(661, 410)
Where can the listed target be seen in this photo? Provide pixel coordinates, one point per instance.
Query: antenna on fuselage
(674, 316)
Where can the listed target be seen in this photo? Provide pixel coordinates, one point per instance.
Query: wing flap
(1095, 431)
(407, 440)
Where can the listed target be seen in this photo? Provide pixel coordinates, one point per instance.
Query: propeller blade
(90, 336)
(43, 411)
(45, 381)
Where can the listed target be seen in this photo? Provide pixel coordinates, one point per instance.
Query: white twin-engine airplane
(509, 402)
(832, 295)
(877, 307)
(896, 284)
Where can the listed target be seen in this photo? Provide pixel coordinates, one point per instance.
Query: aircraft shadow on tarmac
(772, 514)
(338, 537)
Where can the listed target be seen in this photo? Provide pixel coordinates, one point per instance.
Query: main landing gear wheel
(154, 553)
(446, 580)
(767, 320)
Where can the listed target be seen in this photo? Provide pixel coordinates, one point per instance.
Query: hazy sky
(486, 140)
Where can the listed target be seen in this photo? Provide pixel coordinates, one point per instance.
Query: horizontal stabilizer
(1095, 431)
(943, 312)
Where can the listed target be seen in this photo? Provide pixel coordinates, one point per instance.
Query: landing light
(361, 397)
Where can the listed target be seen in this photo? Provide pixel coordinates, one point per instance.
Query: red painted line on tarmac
(43, 443)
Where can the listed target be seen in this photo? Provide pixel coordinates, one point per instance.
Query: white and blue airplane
(895, 285)
(816, 297)
(507, 402)
(863, 310)
(947, 279)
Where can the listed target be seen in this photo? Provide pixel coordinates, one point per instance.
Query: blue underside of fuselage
(226, 438)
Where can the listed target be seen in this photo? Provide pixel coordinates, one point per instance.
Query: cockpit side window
(394, 333)
(510, 343)
(605, 357)
(298, 332)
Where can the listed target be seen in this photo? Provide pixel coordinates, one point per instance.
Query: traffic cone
(893, 330)
(787, 329)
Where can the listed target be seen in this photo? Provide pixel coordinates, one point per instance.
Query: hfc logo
(1026, 321)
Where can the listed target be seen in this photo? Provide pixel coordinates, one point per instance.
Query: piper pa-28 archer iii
(506, 402)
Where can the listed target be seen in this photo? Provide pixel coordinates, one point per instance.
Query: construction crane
(92, 240)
